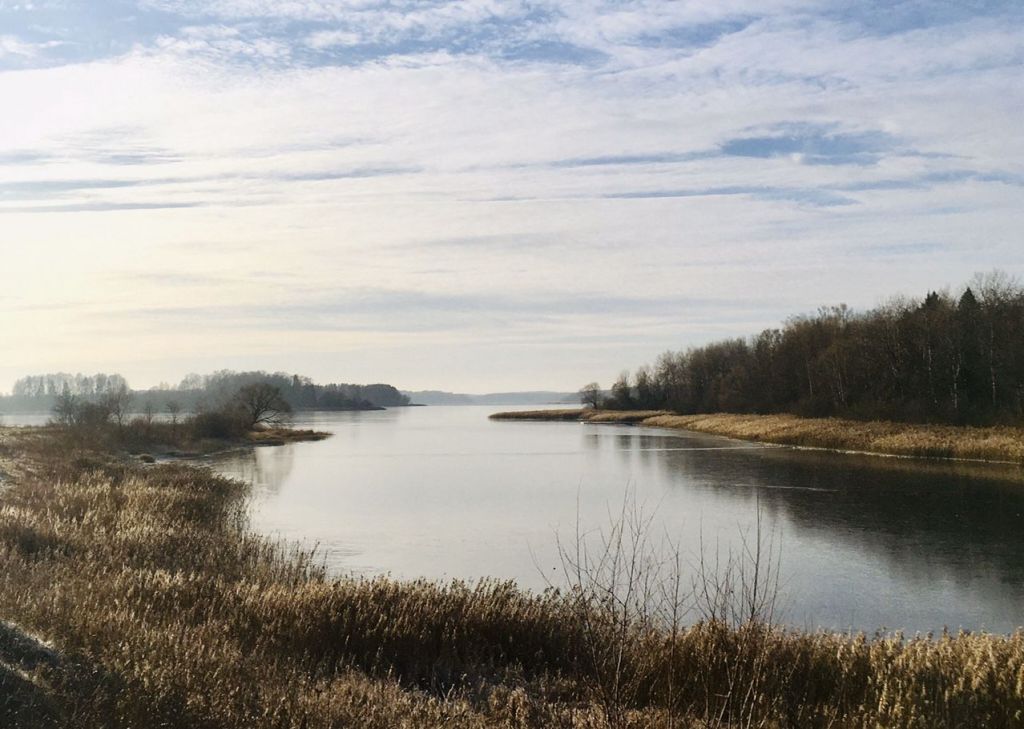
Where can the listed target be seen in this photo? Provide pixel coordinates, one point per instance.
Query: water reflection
(266, 468)
(918, 516)
(442, 492)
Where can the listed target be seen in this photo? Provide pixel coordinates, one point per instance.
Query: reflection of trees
(265, 468)
(928, 519)
(592, 440)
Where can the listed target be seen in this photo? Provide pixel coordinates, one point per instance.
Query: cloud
(13, 46)
(350, 174)
(817, 198)
(932, 180)
(908, 249)
(33, 188)
(175, 280)
(97, 207)
(657, 158)
(372, 309)
(219, 189)
(324, 39)
(24, 157)
(452, 168)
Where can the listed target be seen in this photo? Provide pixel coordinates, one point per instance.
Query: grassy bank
(164, 610)
(887, 438)
(175, 440)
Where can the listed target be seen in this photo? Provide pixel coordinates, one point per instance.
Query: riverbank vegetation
(256, 414)
(996, 443)
(160, 608)
(954, 359)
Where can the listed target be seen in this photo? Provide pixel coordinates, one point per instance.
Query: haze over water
(442, 492)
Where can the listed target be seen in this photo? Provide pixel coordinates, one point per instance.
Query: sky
(486, 195)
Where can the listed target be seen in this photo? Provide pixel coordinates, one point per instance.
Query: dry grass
(185, 438)
(929, 441)
(899, 439)
(552, 414)
(168, 613)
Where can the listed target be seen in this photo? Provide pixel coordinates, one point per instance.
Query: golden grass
(168, 612)
(901, 439)
(552, 414)
(998, 443)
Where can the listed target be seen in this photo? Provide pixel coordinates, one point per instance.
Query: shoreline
(998, 445)
(154, 452)
(217, 447)
(258, 624)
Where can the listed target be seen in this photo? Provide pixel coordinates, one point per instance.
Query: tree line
(57, 383)
(946, 358)
(300, 392)
(196, 392)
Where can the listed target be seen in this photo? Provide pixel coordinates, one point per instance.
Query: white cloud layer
(486, 195)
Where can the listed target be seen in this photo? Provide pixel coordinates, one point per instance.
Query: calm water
(442, 492)
(25, 418)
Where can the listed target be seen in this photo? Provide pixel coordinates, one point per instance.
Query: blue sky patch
(814, 144)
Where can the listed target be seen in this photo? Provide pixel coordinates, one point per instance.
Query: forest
(39, 393)
(946, 358)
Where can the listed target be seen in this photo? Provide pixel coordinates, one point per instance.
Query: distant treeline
(35, 387)
(298, 391)
(945, 358)
(195, 392)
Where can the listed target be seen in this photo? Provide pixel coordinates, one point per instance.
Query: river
(863, 543)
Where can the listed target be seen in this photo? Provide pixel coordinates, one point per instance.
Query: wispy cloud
(97, 207)
(458, 167)
(808, 196)
(370, 309)
(656, 158)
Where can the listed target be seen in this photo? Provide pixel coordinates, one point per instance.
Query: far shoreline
(997, 445)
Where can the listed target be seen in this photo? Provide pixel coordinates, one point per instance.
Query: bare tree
(622, 394)
(262, 404)
(148, 412)
(66, 407)
(173, 408)
(590, 395)
(117, 401)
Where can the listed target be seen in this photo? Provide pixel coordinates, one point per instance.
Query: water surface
(442, 492)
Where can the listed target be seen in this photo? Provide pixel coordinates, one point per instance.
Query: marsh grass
(902, 439)
(997, 443)
(200, 434)
(550, 414)
(167, 612)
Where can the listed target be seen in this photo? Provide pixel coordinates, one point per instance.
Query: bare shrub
(633, 604)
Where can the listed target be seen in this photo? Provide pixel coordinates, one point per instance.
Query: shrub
(216, 424)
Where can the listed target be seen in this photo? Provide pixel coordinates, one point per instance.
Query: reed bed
(997, 443)
(166, 611)
(901, 439)
(550, 414)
